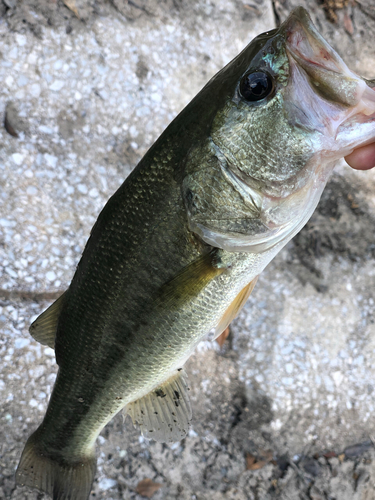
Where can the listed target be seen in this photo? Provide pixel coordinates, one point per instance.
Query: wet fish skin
(211, 203)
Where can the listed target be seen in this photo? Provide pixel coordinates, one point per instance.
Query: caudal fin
(57, 477)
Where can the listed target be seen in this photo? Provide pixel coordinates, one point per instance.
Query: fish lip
(326, 71)
(298, 29)
(343, 112)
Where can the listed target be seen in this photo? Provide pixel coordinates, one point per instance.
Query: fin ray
(165, 413)
(235, 308)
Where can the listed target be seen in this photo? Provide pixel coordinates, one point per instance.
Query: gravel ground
(284, 409)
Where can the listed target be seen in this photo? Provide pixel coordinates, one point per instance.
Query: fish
(177, 250)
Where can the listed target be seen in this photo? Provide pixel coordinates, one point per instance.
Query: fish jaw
(332, 99)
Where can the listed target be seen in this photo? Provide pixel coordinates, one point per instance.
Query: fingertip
(362, 158)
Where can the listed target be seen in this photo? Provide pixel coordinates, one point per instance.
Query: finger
(362, 158)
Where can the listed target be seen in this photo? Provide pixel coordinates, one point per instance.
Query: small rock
(106, 484)
(20, 343)
(57, 85)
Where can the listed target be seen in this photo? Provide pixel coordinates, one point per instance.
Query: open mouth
(344, 103)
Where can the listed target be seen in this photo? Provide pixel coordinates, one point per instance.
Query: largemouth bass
(177, 250)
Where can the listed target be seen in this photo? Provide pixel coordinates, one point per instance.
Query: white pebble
(58, 64)
(11, 272)
(35, 90)
(51, 160)
(82, 188)
(156, 97)
(57, 85)
(21, 39)
(31, 190)
(338, 377)
(46, 130)
(7, 223)
(32, 58)
(17, 158)
(287, 380)
(9, 81)
(20, 343)
(289, 368)
(51, 276)
(106, 483)
(133, 131)
(22, 80)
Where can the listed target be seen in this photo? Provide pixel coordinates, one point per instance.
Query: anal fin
(43, 329)
(235, 307)
(164, 414)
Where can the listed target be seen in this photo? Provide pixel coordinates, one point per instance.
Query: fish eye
(256, 86)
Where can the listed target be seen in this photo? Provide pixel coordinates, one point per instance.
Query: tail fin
(57, 477)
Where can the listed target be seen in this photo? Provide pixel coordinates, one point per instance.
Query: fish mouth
(325, 69)
(323, 94)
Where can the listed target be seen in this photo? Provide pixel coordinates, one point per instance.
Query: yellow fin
(164, 414)
(235, 307)
(189, 282)
(44, 328)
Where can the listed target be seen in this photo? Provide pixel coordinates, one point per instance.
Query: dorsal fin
(235, 307)
(164, 414)
(43, 329)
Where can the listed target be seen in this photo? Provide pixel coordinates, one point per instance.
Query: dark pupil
(255, 86)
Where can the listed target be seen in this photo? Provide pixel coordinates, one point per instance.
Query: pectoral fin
(164, 414)
(235, 307)
(44, 328)
(189, 282)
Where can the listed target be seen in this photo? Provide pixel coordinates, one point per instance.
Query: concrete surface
(295, 380)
